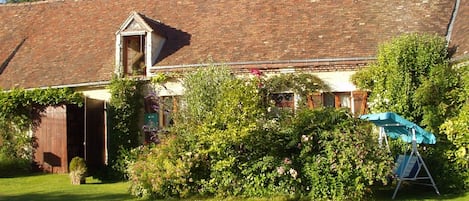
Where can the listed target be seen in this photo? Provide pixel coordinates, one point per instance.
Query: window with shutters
(159, 114)
(355, 101)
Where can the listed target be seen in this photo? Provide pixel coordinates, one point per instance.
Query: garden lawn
(56, 187)
(416, 193)
(53, 187)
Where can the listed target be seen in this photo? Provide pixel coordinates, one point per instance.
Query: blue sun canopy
(396, 126)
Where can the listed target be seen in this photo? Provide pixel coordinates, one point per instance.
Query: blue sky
(2, 1)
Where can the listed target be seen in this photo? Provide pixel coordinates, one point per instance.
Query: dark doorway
(75, 131)
(95, 152)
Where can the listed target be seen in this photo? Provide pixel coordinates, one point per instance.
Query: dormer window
(138, 45)
(133, 55)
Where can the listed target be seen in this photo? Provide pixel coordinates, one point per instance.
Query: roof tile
(73, 41)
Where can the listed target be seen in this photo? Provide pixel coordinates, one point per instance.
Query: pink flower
(287, 161)
(256, 72)
(281, 170)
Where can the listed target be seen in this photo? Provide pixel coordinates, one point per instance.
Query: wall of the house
(170, 88)
(338, 81)
(99, 94)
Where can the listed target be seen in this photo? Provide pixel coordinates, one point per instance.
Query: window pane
(345, 100)
(329, 100)
(284, 100)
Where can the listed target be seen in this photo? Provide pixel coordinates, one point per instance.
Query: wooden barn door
(51, 137)
(95, 141)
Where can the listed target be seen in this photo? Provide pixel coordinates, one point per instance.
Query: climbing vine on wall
(125, 111)
(20, 111)
(19, 104)
(301, 84)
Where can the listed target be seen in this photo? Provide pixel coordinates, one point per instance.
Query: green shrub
(77, 168)
(163, 170)
(225, 144)
(270, 176)
(221, 112)
(77, 164)
(13, 166)
(456, 130)
(411, 77)
(339, 155)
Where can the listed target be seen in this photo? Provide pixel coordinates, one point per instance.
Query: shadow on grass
(21, 174)
(414, 192)
(66, 197)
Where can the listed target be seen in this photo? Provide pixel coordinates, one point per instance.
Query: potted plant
(77, 170)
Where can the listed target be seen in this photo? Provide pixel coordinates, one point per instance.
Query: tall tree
(412, 77)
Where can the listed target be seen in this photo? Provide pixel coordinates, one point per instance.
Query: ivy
(20, 112)
(19, 106)
(125, 113)
(301, 84)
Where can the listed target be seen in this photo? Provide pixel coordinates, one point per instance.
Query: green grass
(53, 187)
(417, 193)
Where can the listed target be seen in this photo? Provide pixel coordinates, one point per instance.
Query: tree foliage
(413, 78)
(457, 128)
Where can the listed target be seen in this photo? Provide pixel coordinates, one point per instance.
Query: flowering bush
(162, 171)
(225, 144)
(338, 155)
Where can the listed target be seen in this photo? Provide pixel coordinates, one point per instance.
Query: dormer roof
(134, 24)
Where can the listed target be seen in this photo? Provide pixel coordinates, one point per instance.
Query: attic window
(134, 55)
(138, 44)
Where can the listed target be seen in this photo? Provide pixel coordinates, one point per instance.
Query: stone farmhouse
(82, 44)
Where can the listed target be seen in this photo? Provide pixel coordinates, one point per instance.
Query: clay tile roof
(460, 34)
(73, 41)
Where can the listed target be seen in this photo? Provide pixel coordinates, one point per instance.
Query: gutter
(297, 61)
(86, 84)
(451, 23)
